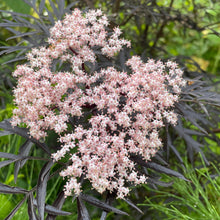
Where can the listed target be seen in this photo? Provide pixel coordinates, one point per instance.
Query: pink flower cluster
(126, 110)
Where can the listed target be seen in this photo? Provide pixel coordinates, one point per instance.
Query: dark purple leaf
(4, 133)
(190, 153)
(44, 28)
(12, 49)
(14, 60)
(9, 189)
(23, 23)
(160, 183)
(23, 151)
(31, 212)
(190, 142)
(193, 117)
(61, 5)
(83, 213)
(58, 203)
(23, 35)
(162, 169)
(67, 9)
(53, 211)
(50, 16)
(42, 187)
(160, 159)
(18, 14)
(132, 205)
(175, 151)
(6, 162)
(41, 7)
(56, 12)
(12, 213)
(102, 205)
(192, 132)
(109, 199)
(156, 167)
(9, 156)
(6, 125)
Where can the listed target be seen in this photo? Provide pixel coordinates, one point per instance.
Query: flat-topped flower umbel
(126, 109)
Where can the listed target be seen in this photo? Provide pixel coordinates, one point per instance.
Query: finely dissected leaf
(204, 109)
(9, 156)
(6, 125)
(44, 28)
(109, 199)
(6, 162)
(31, 212)
(83, 213)
(53, 210)
(12, 13)
(12, 213)
(193, 132)
(175, 151)
(14, 60)
(15, 24)
(23, 35)
(56, 12)
(42, 187)
(58, 203)
(41, 6)
(191, 143)
(9, 189)
(193, 117)
(13, 31)
(190, 152)
(25, 148)
(104, 215)
(61, 5)
(12, 49)
(160, 183)
(50, 16)
(36, 37)
(163, 169)
(68, 7)
(132, 205)
(23, 151)
(24, 21)
(160, 159)
(31, 38)
(156, 167)
(102, 205)
(4, 133)
(196, 146)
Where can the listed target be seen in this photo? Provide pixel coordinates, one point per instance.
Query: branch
(160, 32)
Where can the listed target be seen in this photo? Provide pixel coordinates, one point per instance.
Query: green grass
(194, 200)
(27, 178)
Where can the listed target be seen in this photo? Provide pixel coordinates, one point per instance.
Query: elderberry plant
(107, 116)
(127, 110)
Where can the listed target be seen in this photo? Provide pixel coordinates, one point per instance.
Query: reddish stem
(73, 51)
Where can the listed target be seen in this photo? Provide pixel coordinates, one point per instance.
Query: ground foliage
(149, 25)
